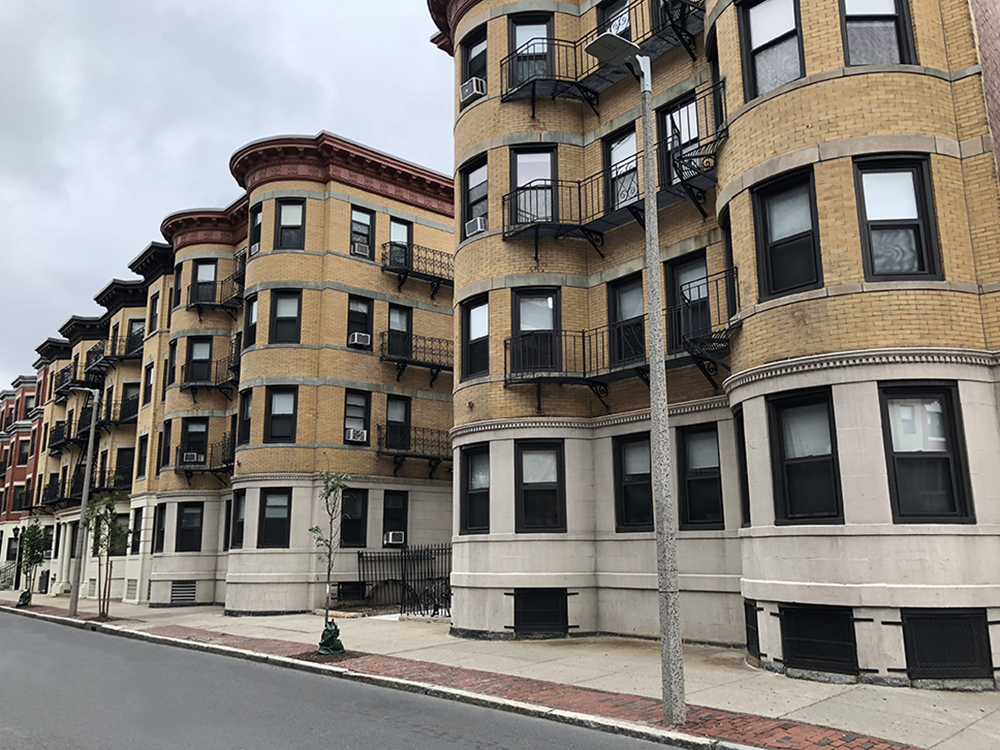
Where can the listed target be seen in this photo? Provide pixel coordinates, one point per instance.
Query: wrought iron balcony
(405, 349)
(402, 441)
(76, 485)
(701, 324)
(59, 436)
(414, 261)
(240, 266)
(561, 68)
(208, 374)
(96, 359)
(132, 347)
(216, 295)
(235, 354)
(83, 421)
(73, 375)
(114, 478)
(218, 458)
(52, 492)
(120, 412)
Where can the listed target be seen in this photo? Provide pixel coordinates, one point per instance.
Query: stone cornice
(78, 329)
(155, 261)
(118, 294)
(446, 14)
(968, 357)
(207, 226)
(329, 158)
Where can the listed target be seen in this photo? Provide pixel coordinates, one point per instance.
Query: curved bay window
(539, 478)
(633, 484)
(700, 478)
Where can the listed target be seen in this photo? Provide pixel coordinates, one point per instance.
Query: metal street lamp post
(74, 592)
(614, 50)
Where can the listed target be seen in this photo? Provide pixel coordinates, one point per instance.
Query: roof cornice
(207, 226)
(446, 14)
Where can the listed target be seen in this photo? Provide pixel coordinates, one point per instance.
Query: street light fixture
(614, 50)
(74, 592)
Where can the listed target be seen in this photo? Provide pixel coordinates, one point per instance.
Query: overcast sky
(116, 113)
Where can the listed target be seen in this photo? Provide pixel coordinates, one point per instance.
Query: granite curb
(588, 721)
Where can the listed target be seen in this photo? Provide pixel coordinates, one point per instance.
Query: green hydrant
(24, 599)
(330, 642)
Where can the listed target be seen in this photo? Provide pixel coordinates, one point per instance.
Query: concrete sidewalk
(612, 678)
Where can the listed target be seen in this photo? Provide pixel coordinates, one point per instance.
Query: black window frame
(147, 384)
(606, 14)
(948, 392)
(167, 439)
(270, 392)
(135, 542)
(254, 231)
(386, 516)
(471, 66)
(683, 320)
(551, 187)
(280, 242)
(482, 342)
(925, 223)
(739, 434)
(359, 526)
(623, 482)
(172, 362)
(782, 511)
(686, 475)
(398, 433)
(178, 278)
(558, 487)
(185, 541)
(238, 523)
(367, 396)
(154, 313)
(626, 336)
(205, 362)
(250, 326)
(245, 419)
(142, 456)
(370, 239)
(274, 533)
(468, 496)
(186, 444)
(761, 193)
(540, 340)
(159, 528)
(467, 170)
(358, 322)
(286, 329)
(612, 202)
(204, 291)
(904, 33)
(747, 53)
(532, 18)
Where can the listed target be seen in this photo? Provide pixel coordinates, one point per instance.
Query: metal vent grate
(819, 638)
(753, 635)
(131, 588)
(540, 611)
(149, 589)
(92, 588)
(183, 592)
(946, 644)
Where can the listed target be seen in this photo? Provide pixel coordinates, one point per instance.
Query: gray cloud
(115, 113)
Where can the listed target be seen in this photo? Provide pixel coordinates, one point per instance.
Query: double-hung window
(246, 410)
(621, 165)
(788, 257)
(356, 412)
(877, 32)
(154, 313)
(239, 519)
(362, 232)
(147, 384)
(400, 244)
(679, 136)
(136, 541)
(203, 287)
(476, 338)
(279, 419)
(529, 38)
(627, 328)
(925, 453)
(688, 299)
(475, 509)
(256, 217)
(199, 360)
(474, 55)
(633, 484)
(354, 518)
(475, 197)
(898, 232)
(289, 230)
(700, 478)
(274, 528)
(804, 455)
(539, 479)
(395, 507)
(772, 49)
(400, 339)
(189, 525)
(537, 340)
(250, 322)
(533, 176)
(359, 322)
(23, 451)
(159, 528)
(397, 422)
(172, 362)
(194, 441)
(143, 456)
(286, 317)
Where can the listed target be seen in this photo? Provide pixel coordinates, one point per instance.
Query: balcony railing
(83, 421)
(402, 441)
(701, 324)
(218, 457)
(120, 412)
(415, 261)
(240, 266)
(76, 485)
(52, 492)
(235, 353)
(227, 293)
(133, 343)
(560, 68)
(613, 196)
(59, 435)
(208, 374)
(96, 356)
(405, 349)
(114, 478)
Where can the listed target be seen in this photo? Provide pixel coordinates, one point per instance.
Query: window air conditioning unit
(475, 226)
(360, 248)
(355, 436)
(359, 340)
(474, 88)
(192, 458)
(394, 537)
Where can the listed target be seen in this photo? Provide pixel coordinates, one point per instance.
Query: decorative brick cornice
(207, 226)
(329, 158)
(966, 357)
(446, 14)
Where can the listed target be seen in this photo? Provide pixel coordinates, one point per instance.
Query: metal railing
(705, 307)
(60, 433)
(95, 355)
(83, 420)
(207, 373)
(235, 353)
(52, 491)
(203, 457)
(133, 342)
(239, 265)
(120, 411)
(414, 578)
(418, 261)
(420, 350)
(114, 478)
(396, 439)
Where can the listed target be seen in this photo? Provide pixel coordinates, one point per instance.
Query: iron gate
(414, 578)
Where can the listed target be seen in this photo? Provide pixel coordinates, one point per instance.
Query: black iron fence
(401, 257)
(408, 347)
(397, 438)
(414, 578)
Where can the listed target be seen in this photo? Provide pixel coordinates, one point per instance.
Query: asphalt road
(69, 689)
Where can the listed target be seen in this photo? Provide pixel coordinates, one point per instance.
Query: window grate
(92, 588)
(540, 611)
(131, 588)
(947, 644)
(753, 634)
(819, 638)
(183, 592)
